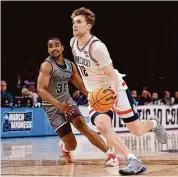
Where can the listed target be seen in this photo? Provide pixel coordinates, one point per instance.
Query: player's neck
(59, 60)
(84, 39)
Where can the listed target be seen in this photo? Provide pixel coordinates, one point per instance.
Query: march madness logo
(17, 121)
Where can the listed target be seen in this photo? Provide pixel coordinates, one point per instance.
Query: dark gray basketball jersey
(58, 83)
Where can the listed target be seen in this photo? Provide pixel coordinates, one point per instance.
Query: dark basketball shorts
(57, 118)
(94, 114)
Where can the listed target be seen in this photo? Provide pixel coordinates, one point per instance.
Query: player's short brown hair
(87, 13)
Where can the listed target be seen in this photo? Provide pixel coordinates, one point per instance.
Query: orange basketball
(101, 100)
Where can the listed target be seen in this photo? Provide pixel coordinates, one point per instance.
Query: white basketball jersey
(89, 67)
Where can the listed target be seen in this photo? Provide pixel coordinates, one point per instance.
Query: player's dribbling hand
(66, 108)
(114, 93)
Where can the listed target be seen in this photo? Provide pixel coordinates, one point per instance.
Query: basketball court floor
(41, 156)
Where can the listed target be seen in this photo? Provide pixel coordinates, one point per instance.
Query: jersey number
(61, 87)
(83, 70)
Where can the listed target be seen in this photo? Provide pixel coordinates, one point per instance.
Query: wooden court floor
(42, 157)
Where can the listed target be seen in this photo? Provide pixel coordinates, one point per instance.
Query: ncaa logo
(6, 116)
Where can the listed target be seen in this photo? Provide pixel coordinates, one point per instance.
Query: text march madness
(17, 121)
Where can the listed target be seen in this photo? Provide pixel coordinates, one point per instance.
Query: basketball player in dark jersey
(55, 73)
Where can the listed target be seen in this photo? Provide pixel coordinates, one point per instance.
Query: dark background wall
(142, 37)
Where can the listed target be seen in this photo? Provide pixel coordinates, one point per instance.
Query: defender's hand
(66, 108)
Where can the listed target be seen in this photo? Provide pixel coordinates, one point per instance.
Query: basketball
(101, 100)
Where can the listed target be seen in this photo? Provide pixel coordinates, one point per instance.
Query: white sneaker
(112, 160)
(134, 166)
(160, 131)
(67, 155)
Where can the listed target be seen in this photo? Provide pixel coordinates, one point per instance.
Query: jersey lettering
(83, 70)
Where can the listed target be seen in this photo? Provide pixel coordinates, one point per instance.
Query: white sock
(154, 124)
(63, 147)
(131, 155)
(109, 152)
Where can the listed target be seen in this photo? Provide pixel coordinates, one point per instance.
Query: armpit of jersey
(100, 53)
(119, 75)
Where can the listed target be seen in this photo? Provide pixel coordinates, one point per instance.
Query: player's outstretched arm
(77, 81)
(42, 86)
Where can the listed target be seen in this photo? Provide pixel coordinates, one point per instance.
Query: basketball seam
(102, 103)
(95, 105)
(99, 107)
(97, 101)
(97, 94)
(90, 100)
(93, 100)
(101, 98)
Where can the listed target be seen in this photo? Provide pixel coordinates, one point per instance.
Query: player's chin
(55, 55)
(75, 33)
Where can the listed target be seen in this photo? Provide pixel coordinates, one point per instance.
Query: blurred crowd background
(141, 37)
(22, 92)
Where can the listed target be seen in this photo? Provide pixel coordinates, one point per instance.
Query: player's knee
(73, 146)
(99, 127)
(102, 128)
(103, 123)
(138, 132)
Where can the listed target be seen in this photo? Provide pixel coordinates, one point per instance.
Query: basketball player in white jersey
(96, 68)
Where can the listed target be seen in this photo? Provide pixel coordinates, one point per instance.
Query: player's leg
(126, 110)
(80, 124)
(103, 124)
(67, 137)
(62, 127)
(68, 141)
(128, 113)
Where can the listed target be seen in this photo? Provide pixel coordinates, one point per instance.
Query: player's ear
(48, 51)
(62, 48)
(89, 26)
